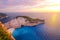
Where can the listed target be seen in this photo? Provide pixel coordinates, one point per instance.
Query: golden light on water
(53, 19)
(52, 23)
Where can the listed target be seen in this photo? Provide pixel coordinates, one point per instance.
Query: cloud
(18, 4)
(29, 5)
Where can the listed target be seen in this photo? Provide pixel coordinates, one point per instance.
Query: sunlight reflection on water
(52, 27)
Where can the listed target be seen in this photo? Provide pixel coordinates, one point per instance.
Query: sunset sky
(48, 10)
(29, 5)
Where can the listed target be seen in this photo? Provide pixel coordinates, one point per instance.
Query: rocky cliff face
(23, 20)
(28, 21)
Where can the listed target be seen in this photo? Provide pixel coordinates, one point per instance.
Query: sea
(48, 31)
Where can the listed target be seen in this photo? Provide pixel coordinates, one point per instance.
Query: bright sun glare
(51, 6)
(55, 4)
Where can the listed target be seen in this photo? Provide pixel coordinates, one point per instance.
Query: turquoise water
(49, 31)
(29, 33)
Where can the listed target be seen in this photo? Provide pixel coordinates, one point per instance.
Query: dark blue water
(30, 33)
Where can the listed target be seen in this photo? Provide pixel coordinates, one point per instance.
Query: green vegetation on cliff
(30, 19)
(4, 35)
(26, 17)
